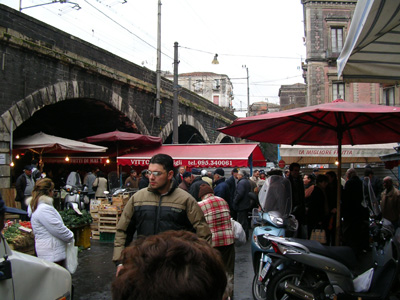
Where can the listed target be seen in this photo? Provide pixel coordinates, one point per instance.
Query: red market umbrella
(123, 140)
(131, 138)
(336, 123)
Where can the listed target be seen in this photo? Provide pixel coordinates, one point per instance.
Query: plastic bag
(362, 282)
(238, 233)
(71, 260)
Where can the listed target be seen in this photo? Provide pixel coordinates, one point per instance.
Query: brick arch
(188, 120)
(25, 108)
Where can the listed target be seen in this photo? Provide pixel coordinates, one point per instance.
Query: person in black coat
(355, 214)
(144, 180)
(232, 182)
(317, 206)
(195, 186)
(241, 201)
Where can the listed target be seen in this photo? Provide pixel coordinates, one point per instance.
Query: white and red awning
(201, 155)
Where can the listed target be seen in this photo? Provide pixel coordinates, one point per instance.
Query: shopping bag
(318, 235)
(362, 283)
(71, 260)
(238, 233)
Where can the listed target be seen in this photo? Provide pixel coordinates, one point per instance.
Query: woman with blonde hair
(51, 235)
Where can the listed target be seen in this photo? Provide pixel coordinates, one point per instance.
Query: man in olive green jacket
(161, 207)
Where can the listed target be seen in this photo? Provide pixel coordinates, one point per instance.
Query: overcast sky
(264, 35)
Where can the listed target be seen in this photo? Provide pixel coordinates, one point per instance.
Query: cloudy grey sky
(264, 35)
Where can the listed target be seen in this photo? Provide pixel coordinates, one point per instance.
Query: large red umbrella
(336, 123)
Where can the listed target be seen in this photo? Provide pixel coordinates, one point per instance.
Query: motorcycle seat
(343, 254)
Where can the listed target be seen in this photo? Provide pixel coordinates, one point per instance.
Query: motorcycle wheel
(276, 290)
(259, 290)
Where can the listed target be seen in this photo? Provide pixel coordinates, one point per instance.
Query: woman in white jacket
(51, 235)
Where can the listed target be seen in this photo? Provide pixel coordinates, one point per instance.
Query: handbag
(71, 260)
(318, 235)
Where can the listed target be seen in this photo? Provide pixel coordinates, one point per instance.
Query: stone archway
(25, 108)
(188, 120)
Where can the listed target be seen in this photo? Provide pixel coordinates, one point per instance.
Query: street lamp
(215, 60)
(248, 90)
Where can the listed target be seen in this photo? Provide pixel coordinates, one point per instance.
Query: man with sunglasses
(160, 207)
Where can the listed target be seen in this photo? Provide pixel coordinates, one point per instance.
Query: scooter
(76, 197)
(273, 218)
(310, 270)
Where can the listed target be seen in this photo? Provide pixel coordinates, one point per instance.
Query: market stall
(201, 155)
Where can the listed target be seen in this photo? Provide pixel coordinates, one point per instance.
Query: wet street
(92, 280)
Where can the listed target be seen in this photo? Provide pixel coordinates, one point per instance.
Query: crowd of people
(204, 203)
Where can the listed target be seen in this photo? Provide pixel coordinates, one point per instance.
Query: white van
(24, 276)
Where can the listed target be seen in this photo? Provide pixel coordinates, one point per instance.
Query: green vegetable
(72, 219)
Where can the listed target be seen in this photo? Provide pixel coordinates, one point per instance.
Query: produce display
(16, 237)
(72, 219)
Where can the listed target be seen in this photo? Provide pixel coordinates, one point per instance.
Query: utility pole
(248, 91)
(158, 82)
(175, 133)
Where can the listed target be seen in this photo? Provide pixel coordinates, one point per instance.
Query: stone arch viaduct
(56, 83)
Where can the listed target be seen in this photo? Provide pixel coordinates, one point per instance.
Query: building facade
(292, 96)
(217, 88)
(262, 107)
(326, 24)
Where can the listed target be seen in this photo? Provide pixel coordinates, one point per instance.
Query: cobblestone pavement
(92, 280)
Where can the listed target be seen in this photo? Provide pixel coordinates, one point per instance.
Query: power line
(242, 55)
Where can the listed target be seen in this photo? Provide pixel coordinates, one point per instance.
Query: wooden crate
(95, 235)
(108, 220)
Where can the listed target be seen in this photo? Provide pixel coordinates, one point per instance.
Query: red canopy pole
(339, 189)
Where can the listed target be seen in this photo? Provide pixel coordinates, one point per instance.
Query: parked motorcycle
(305, 269)
(273, 218)
(76, 197)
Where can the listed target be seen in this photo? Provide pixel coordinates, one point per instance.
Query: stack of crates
(94, 212)
(109, 216)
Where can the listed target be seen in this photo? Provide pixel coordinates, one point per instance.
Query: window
(216, 99)
(337, 39)
(198, 86)
(337, 90)
(388, 96)
(216, 84)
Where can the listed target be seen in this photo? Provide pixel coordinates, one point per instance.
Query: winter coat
(241, 201)
(101, 184)
(195, 187)
(222, 190)
(51, 235)
(148, 213)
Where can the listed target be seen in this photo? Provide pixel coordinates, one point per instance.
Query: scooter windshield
(276, 195)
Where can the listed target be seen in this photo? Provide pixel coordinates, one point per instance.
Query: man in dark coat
(298, 198)
(241, 201)
(221, 188)
(24, 187)
(232, 182)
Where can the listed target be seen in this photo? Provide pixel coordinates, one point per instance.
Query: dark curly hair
(173, 265)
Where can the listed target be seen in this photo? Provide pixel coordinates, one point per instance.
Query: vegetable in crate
(72, 219)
